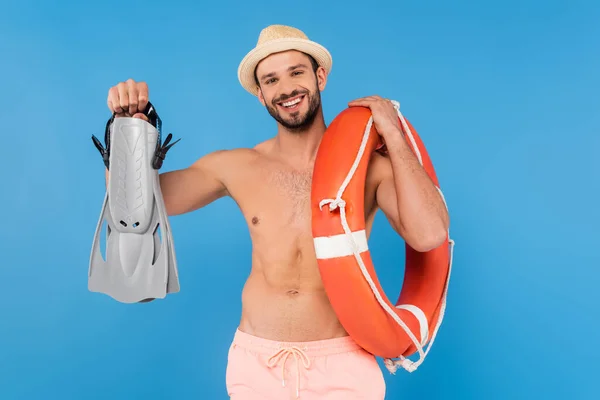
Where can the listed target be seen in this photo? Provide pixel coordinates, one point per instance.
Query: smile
(293, 103)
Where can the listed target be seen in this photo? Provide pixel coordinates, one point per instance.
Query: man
(289, 341)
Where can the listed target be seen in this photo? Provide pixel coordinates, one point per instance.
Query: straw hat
(275, 39)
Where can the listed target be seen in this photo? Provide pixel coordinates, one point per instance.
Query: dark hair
(314, 64)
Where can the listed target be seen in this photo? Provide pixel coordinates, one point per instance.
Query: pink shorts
(327, 369)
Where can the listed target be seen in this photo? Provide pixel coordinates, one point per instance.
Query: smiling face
(290, 85)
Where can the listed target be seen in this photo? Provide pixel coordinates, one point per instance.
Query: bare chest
(276, 200)
(279, 198)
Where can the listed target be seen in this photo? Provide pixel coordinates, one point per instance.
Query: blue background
(504, 94)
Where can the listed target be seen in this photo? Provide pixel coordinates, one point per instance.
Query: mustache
(285, 97)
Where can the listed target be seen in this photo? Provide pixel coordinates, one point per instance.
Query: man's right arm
(196, 186)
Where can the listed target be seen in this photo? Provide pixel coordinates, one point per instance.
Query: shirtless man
(288, 332)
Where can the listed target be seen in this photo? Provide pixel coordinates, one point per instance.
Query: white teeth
(291, 103)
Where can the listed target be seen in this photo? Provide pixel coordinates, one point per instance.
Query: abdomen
(283, 298)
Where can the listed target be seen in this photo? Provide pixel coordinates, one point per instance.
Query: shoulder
(227, 160)
(226, 157)
(245, 154)
(228, 166)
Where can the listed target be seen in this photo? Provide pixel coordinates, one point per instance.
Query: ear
(260, 97)
(321, 78)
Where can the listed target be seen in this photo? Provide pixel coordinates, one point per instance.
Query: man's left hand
(385, 116)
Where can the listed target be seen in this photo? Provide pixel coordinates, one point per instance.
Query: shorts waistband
(311, 348)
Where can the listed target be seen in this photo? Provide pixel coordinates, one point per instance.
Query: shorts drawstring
(285, 352)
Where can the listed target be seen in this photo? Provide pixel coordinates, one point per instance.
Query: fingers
(132, 97)
(362, 100)
(123, 103)
(128, 98)
(142, 96)
(141, 116)
(113, 100)
(369, 101)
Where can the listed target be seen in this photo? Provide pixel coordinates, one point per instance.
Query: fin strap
(161, 151)
(161, 148)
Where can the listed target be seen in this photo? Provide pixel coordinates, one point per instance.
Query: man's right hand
(128, 99)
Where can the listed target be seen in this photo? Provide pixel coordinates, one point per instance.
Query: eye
(296, 73)
(270, 80)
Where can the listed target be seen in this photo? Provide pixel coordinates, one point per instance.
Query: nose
(287, 88)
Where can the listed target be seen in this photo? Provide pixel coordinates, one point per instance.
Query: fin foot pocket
(161, 148)
(139, 263)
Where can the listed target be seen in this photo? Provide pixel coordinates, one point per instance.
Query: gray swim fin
(140, 265)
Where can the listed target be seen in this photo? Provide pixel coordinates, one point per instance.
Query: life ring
(392, 331)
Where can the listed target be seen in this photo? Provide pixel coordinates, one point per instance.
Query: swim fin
(140, 265)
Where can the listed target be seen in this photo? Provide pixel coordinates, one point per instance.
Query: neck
(300, 148)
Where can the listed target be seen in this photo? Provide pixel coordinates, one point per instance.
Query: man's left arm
(409, 198)
(405, 193)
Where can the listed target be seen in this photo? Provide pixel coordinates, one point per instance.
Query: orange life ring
(392, 331)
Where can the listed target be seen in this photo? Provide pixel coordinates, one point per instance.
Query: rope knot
(392, 365)
(408, 365)
(333, 203)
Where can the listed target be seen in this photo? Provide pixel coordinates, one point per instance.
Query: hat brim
(250, 61)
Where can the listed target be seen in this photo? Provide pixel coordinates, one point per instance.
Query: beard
(297, 122)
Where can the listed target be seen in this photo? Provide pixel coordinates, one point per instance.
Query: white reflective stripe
(336, 246)
(420, 316)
